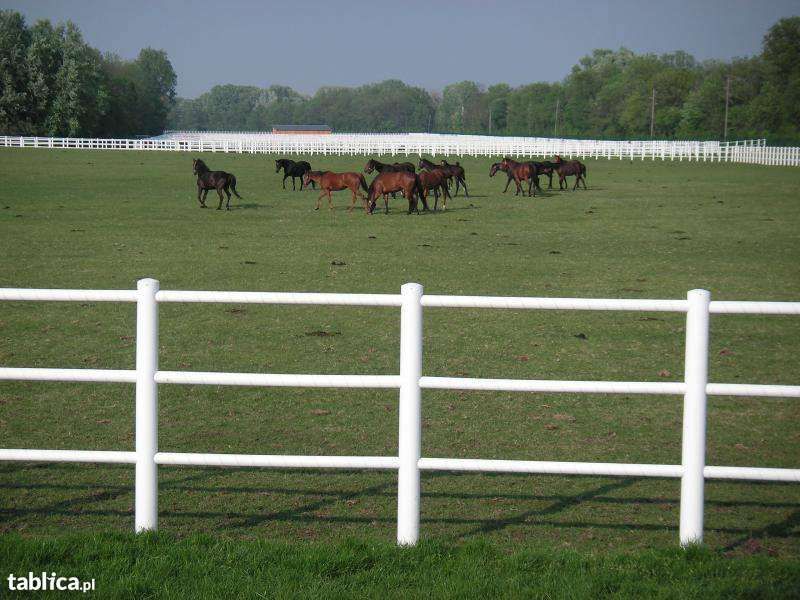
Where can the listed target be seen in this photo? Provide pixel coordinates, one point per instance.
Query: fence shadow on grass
(236, 521)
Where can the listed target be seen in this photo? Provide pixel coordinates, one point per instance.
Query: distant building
(302, 129)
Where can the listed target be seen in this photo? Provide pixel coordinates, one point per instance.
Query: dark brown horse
(292, 169)
(457, 171)
(213, 180)
(565, 168)
(521, 172)
(396, 181)
(436, 180)
(333, 182)
(374, 165)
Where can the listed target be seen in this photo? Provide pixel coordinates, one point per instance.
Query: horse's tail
(583, 170)
(418, 188)
(363, 183)
(232, 181)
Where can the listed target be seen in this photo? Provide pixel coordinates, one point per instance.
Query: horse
(213, 180)
(395, 181)
(374, 165)
(570, 167)
(544, 168)
(435, 179)
(333, 182)
(521, 172)
(458, 173)
(292, 169)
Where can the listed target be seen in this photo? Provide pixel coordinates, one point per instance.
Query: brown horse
(435, 180)
(521, 172)
(396, 181)
(213, 180)
(374, 165)
(570, 167)
(329, 181)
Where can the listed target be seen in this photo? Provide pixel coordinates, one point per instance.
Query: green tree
(14, 43)
(155, 80)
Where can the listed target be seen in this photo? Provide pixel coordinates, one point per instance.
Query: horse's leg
(386, 202)
(301, 183)
(353, 200)
(219, 191)
(200, 197)
(464, 185)
(228, 194)
(319, 198)
(584, 182)
(577, 181)
(508, 183)
(550, 180)
(285, 175)
(330, 199)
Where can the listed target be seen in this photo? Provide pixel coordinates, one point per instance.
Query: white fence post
(409, 442)
(693, 455)
(146, 406)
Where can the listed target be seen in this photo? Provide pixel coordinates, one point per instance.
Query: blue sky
(310, 44)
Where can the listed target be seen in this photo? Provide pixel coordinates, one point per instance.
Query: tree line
(608, 94)
(52, 83)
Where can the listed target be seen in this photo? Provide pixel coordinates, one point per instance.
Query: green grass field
(79, 219)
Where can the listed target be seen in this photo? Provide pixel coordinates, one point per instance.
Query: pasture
(93, 219)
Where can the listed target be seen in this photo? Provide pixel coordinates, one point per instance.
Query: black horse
(293, 169)
(213, 180)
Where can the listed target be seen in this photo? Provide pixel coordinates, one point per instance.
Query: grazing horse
(333, 182)
(374, 165)
(292, 169)
(435, 179)
(521, 172)
(395, 181)
(458, 174)
(213, 180)
(570, 167)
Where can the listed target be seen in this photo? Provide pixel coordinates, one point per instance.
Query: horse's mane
(200, 166)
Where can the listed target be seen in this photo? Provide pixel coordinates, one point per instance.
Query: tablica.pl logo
(48, 582)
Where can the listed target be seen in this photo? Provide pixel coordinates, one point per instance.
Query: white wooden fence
(746, 151)
(147, 377)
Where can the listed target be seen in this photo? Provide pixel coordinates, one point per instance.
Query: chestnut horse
(570, 167)
(395, 181)
(213, 180)
(521, 172)
(435, 180)
(333, 182)
(543, 168)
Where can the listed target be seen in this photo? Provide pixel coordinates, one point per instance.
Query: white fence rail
(408, 463)
(746, 151)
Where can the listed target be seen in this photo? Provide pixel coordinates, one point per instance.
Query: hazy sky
(313, 43)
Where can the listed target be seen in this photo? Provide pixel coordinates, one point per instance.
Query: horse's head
(558, 160)
(198, 166)
(370, 167)
(278, 165)
(495, 168)
(310, 176)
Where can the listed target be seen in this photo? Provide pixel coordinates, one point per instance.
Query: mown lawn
(642, 230)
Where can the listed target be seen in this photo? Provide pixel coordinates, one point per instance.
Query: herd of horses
(415, 185)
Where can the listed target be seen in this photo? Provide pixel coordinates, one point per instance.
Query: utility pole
(555, 124)
(490, 119)
(727, 102)
(653, 112)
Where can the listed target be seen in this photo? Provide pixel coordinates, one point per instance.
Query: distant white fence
(746, 151)
(692, 471)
